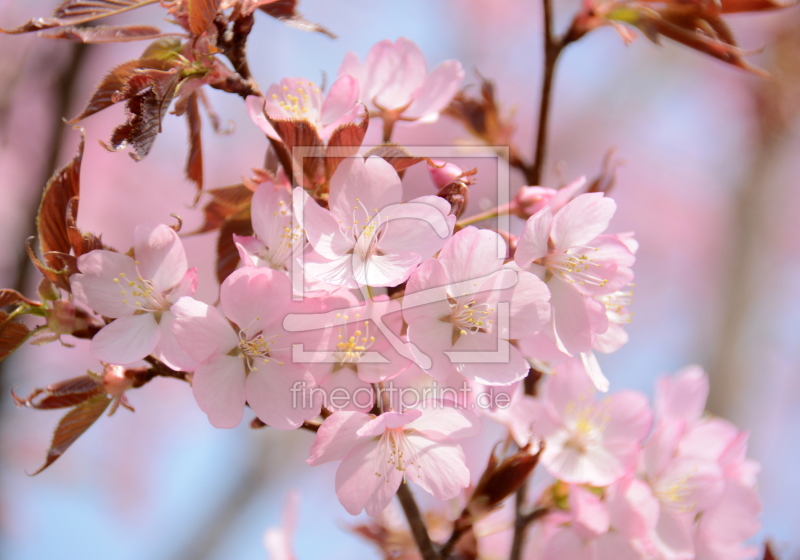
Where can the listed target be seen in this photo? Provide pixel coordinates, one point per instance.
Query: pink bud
(116, 380)
(530, 200)
(444, 175)
(64, 318)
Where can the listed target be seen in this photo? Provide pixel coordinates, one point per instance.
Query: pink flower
(278, 540)
(139, 294)
(277, 233)
(378, 453)
(300, 99)
(529, 200)
(367, 236)
(249, 362)
(394, 79)
(451, 307)
(586, 441)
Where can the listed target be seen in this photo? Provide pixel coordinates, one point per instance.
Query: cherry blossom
(367, 236)
(139, 294)
(586, 441)
(301, 99)
(394, 80)
(379, 453)
(451, 307)
(249, 362)
(277, 234)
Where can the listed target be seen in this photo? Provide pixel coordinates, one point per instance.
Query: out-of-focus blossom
(139, 294)
(586, 441)
(529, 200)
(249, 362)
(451, 306)
(394, 81)
(278, 540)
(379, 453)
(367, 236)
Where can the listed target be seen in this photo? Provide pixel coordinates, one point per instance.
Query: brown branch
(416, 523)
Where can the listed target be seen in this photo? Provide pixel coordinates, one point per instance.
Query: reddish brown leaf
(111, 86)
(75, 12)
(9, 296)
(344, 142)
(227, 254)
(226, 203)
(166, 50)
(62, 394)
(302, 141)
(201, 14)
(286, 11)
(194, 161)
(106, 33)
(51, 221)
(73, 425)
(81, 243)
(396, 155)
(734, 6)
(12, 335)
(149, 94)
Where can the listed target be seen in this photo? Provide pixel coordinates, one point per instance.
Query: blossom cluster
(345, 283)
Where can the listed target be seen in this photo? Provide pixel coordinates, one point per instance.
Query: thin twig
(416, 523)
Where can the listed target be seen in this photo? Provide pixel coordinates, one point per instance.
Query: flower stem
(487, 215)
(416, 523)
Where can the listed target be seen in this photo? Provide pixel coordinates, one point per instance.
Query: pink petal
(388, 420)
(255, 109)
(160, 254)
(384, 270)
(96, 285)
(126, 340)
(336, 437)
(440, 419)
(570, 318)
(592, 368)
(254, 297)
(186, 287)
(471, 254)
(274, 393)
(218, 386)
(529, 307)
(352, 66)
(488, 359)
(682, 396)
(673, 537)
(346, 391)
(420, 226)
(321, 228)
(340, 99)
(430, 280)
(361, 188)
(250, 250)
(338, 272)
(438, 466)
(533, 242)
(395, 72)
(359, 486)
(202, 330)
(271, 210)
(590, 515)
(566, 544)
(168, 350)
(581, 220)
(630, 418)
(430, 338)
(436, 92)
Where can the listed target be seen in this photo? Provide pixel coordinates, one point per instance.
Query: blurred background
(709, 184)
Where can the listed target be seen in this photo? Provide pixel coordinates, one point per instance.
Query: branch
(416, 523)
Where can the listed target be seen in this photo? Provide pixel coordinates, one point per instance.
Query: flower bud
(445, 174)
(457, 194)
(117, 380)
(64, 318)
(529, 200)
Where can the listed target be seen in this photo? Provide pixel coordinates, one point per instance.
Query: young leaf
(110, 87)
(106, 33)
(344, 142)
(227, 253)
(10, 297)
(51, 221)
(12, 335)
(82, 243)
(75, 12)
(194, 161)
(149, 94)
(73, 425)
(297, 133)
(226, 203)
(62, 394)
(286, 11)
(201, 14)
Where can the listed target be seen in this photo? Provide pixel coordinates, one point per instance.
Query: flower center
(471, 317)
(282, 238)
(304, 105)
(574, 266)
(256, 349)
(616, 304)
(141, 294)
(395, 452)
(588, 422)
(350, 350)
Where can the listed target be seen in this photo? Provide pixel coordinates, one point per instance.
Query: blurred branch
(416, 523)
(777, 105)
